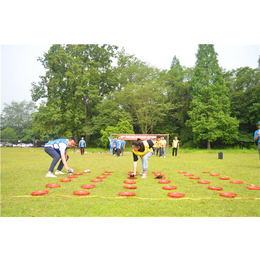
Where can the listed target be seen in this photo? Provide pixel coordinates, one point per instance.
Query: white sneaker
(59, 172)
(144, 176)
(141, 172)
(50, 175)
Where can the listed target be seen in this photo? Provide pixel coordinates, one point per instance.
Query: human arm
(63, 154)
(135, 162)
(257, 133)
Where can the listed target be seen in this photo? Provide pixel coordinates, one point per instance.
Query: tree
(210, 106)
(8, 133)
(77, 78)
(18, 116)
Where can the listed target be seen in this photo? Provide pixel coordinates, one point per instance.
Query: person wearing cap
(57, 149)
(257, 138)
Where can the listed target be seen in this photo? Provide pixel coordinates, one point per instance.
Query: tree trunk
(208, 143)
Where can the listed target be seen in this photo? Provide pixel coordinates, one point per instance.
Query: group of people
(57, 149)
(117, 146)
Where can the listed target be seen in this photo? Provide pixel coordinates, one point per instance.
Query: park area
(24, 170)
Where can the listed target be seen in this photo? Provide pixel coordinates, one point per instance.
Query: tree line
(91, 90)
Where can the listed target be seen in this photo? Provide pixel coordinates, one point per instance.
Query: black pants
(118, 152)
(174, 149)
(82, 150)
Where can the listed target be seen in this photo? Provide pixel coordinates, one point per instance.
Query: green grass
(23, 171)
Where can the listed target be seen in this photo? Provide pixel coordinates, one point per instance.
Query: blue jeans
(56, 157)
(145, 161)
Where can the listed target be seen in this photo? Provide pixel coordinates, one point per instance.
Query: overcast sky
(153, 32)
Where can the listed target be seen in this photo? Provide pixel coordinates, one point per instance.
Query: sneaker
(159, 177)
(59, 172)
(141, 172)
(132, 176)
(50, 175)
(144, 176)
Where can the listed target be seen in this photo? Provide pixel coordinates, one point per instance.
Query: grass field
(23, 171)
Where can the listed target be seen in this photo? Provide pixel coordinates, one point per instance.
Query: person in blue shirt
(57, 149)
(122, 144)
(257, 138)
(116, 145)
(111, 147)
(82, 144)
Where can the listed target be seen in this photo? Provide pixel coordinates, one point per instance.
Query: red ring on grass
(226, 194)
(224, 178)
(50, 185)
(129, 182)
(182, 172)
(253, 187)
(214, 174)
(131, 177)
(97, 180)
(77, 173)
(88, 186)
(71, 177)
(169, 187)
(65, 180)
(176, 194)
(204, 182)
(188, 174)
(101, 177)
(108, 171)
(206, 172)
(164, 181)
(215, 188)
(126, 193)
(236, 182)
(39, 192)
(106, 174)
(156, 172)
(194, 177)
(130, 171)
(130, 187)
(81, 192)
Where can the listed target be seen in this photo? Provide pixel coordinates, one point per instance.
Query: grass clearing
(23, 171)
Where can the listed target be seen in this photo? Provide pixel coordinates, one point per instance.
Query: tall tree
(210, 106)
(77, 78)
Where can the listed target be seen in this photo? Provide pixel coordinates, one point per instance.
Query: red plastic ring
(236, 182)
(77, 173)
(50, 185)
(164, 181)
(65, 180)
(204, 182)
(81, 192)
(101, 177)
(108, 171)
(214, 174)
(182, 172)
(206, 172)
(129, 182)
(156, 172)
(71, 177)
(88, 186)
(253, 187)
(176, 194)
(39, 192)
(97, 180)
(126, 193)
(188, 174)
(130, 187)
(226, 194)
(215, 188)
(194, 177)
(224, 178)
(169, 187)
(131, 177)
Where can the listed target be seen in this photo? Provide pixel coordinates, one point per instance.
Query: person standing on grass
(144, 149)
(257, 138)
(163, 147)
(111, 147)
(57, 149)
(82, 144)
(175, 146)
(158, 147)
(122, 146)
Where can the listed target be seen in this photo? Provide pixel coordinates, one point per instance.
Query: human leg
(145, 163)
(61, 164)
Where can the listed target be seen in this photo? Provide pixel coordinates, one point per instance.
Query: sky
(20, 68)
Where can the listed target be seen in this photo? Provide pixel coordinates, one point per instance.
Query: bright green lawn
(23, 171)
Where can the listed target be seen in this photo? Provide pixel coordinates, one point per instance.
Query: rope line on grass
(132, 197)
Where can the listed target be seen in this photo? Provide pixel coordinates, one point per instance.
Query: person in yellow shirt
(163, 147)
(144, 149)
(175, 146)
(158, 147)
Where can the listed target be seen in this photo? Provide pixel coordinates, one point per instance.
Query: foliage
(8, 133)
